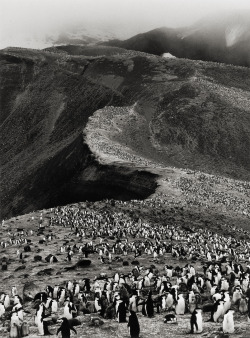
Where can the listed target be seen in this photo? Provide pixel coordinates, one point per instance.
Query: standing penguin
(243, 305)
(39, 323)
(133, 325)
(2, 309)
(180, 306)
(196, 321)
(228, 322)
(69, 309)
(218, 310)
(65, 328)
(148, 307)
(248, 309)
(121, 312)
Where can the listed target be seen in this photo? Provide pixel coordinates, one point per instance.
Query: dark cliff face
(46, 102)
(47, 99)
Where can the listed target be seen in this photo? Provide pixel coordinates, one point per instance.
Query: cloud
(20, 19)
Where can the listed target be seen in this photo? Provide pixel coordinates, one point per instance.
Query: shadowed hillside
(186, 114)
(220, 39)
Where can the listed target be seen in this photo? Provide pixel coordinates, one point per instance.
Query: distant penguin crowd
(220, 287)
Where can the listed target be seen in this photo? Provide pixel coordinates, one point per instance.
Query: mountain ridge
(182, 107)
(210, 39)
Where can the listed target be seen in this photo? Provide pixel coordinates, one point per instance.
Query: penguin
(169, 300)
(50, 291)
(133, 325)
(170, 319)
(40, 325)
(191, 302)
(237, 295)
(133, 303)
(248, 308)
(228, 322)
(121, 312)
(148, 307)
(55, 291)
(180, 306)
(224, 285)
(196, 321)
(61, 296)
(2, 309)
(6, 301)
(14, 331)
(65, 328)
(227, 302)
(243, 305)
(218, 310)
(39, 313)
(98, 307)
(69, 309)
(13, 291)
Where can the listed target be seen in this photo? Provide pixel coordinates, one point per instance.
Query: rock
(83, 262)
(27, 248)
(30, 289)
(22, 267)
(37, 258)
(135, 263)
(74, 322)
(45, 272)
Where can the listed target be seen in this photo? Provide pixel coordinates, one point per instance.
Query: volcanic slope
(168, 113)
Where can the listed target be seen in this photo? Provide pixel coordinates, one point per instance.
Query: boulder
(30, 289)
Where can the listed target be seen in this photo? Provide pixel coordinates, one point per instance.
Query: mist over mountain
(221, 38)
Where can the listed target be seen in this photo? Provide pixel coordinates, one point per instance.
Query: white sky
(20, 19)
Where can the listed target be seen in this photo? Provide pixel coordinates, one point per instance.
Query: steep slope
(187, 114)
(223, 38)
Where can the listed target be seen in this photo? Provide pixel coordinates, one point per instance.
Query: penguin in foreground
(65, 328)
(121, 312)
(196, 321)
(228, 322)
(133, 325)
(170, 319)
(180, 306)
(148, 307)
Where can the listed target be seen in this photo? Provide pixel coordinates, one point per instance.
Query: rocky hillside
(178, 113)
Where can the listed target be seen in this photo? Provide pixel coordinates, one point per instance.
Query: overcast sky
(21, 19)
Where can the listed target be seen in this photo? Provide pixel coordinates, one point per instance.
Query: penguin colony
(222, 288)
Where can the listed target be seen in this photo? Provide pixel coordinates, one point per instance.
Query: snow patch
(233, 34)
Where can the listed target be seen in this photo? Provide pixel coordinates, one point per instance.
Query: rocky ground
(22, 273)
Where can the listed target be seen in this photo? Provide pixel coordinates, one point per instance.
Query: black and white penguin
(180, 306)
(133, 303)
(228, 322)
(148, 307)
(121, 312)
(170, 319)
(218, 310)
(65, 328)
(196, 321)
(2, 309)
(69, 309)
(133, 325)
